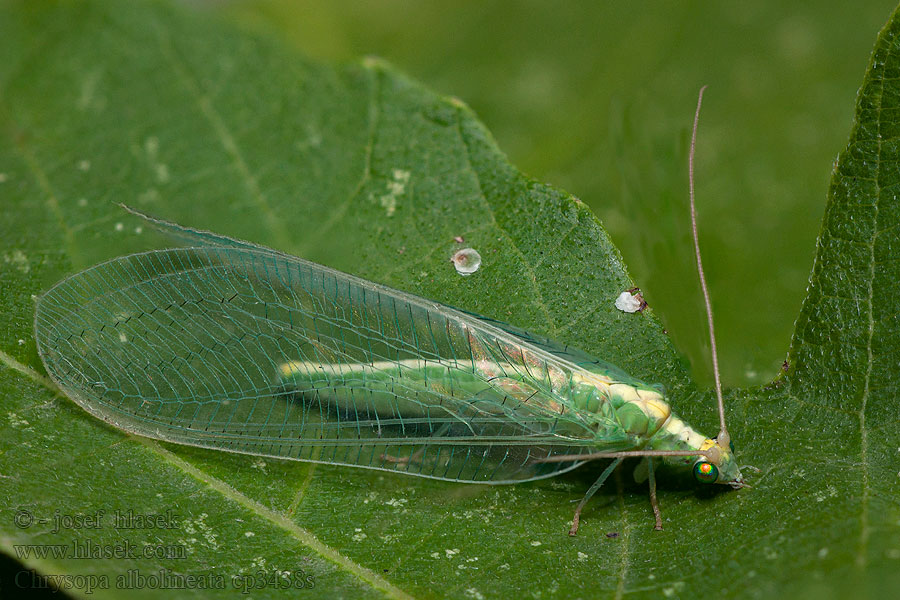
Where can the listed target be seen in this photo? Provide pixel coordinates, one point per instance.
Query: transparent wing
(241, 348)
(568, 354)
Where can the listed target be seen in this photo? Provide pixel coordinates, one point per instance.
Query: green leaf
(574, 100)
(356, 167)
(361, 169)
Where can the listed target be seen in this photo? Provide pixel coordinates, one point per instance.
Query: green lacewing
(229, 345)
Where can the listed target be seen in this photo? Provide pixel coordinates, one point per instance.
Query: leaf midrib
(864, 529)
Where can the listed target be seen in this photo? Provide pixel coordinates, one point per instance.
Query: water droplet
(466, 261)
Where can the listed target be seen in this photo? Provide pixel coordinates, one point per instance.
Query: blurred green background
(597, 98)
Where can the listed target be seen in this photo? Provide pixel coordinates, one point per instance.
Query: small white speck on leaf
(466, 261)
(82, 202)
(84, 165)
(535, 543)
(395, 188)
(630, 302)
(139, 230)
(19, 260)
(151, 146)
(15, 420)
(670, 591)
(120, 226)
(199, 526)
(21, 342)
(162, 173)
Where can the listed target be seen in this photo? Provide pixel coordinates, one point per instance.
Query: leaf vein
(226, 140)
(532, 276)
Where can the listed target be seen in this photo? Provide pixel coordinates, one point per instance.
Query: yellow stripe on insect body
(655, 406)
(685, 433)
(296, 367)
(597, 380)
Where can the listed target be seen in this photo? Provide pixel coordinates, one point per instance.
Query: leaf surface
(359, 168)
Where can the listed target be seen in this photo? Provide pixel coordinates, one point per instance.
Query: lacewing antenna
(723, 438)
